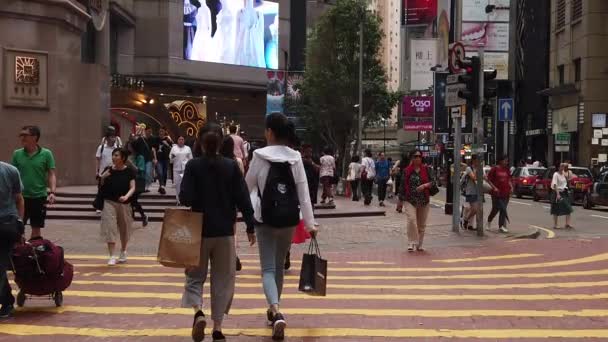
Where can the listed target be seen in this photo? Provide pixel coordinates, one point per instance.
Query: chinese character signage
(423, 56)
(26, 80)
(420, 12)
(418, 113)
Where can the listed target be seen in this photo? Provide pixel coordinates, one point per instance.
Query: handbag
(180, 239)
(434, 189)
(313, 273)
(98, 200)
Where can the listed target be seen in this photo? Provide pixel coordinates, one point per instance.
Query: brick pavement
(527, 290)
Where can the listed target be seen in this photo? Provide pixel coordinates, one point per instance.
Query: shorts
(35, 211)
(471, 198)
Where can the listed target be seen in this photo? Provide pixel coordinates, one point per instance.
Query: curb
(532, 234)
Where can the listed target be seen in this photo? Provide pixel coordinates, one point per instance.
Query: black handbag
(434, 189)
(313, 273)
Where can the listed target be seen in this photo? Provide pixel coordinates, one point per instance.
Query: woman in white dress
(180, 155)
(250, 37)
(201, 46)
(225, 36)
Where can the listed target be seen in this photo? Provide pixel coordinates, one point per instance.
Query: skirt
(562, 207)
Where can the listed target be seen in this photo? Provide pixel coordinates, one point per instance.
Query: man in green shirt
(37, 168)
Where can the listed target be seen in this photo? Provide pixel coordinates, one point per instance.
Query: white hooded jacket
(258, 172)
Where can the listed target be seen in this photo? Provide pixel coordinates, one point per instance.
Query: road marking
(369, 263)
(123, 310)
(422, 287)
(600, 216)
(522, 203)
(409, 277)
(570, 262)
(346, 296)
(508, 334)
(496, 257)
(244, 261)
(550, 233)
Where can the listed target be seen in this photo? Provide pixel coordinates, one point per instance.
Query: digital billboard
(238, 32)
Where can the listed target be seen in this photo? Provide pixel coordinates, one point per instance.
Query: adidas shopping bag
(313, 274)
(181, 239)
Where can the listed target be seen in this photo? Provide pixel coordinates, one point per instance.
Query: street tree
(330, 89)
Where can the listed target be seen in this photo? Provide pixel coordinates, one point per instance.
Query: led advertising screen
(239, 32)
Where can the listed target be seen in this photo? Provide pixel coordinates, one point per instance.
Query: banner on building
(418, 113)
(275, 91)
(423, 56)
(498, 61)
(492, 36)
(475, 10)
(419, 12)
(565, 120)
(443, 30)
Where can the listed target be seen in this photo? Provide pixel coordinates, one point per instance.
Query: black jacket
(216, 188)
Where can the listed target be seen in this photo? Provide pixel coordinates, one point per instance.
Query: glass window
(560, 74)
(535, 171)
(560, 20)
(577, 70)
(581, 173)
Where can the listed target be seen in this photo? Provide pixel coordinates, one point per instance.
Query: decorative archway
(186, 115)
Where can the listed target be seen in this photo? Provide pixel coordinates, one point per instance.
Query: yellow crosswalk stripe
(345, 296)
(520, 266)
(509, 334)
(567, 285)
(374, 277)
(484, 258)
(128, 310)
(80, 257)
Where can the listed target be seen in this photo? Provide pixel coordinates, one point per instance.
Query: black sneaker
(269, 317)
(278, 327)
(162, 191)
(239, 266)
(218, 336)
(145, 220)
(6, 311)
(198, 327)
(287, 261)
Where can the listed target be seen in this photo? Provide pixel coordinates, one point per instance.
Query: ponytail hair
(210, 140)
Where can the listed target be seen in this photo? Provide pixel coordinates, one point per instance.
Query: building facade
(73, 67)
(578, 79)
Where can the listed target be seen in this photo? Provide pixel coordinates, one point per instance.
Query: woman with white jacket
(180, 155)
(274, 242)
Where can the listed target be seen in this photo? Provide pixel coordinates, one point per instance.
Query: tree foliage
(330, 88)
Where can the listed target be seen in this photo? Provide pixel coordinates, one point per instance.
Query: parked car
(524, 179)
(579, 184)
(597, 194)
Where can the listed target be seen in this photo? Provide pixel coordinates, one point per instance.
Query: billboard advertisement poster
(418, 126)
(443, 30)
(565, 120)
(423, 56)
(493, 36)
(237, 32)
(498, 61)
(475, 10)
(418, 106)
(275, 96)
(420, 12)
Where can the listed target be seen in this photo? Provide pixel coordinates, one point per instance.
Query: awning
(563, 89)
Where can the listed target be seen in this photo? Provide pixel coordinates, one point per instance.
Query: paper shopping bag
(313, 274)
(180, 239)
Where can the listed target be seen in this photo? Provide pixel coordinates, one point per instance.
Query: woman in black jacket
(215, 186)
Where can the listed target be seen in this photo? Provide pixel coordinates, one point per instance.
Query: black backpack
(280, 204)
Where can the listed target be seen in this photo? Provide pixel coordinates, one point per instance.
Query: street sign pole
(478, 134)
(456, 114)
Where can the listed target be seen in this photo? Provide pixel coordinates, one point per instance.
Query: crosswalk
(502, 296)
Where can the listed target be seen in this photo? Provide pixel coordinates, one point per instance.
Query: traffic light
(470, 77)
(489, 87)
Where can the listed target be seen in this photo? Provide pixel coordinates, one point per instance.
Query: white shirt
(328, 164)
(104, 153)
(354, 171)
(559, 181)
(179, 157)
(258, 172)
(369, 166)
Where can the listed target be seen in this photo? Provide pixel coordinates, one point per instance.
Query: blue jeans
(149, 174)
(161, 172)
(273, 244)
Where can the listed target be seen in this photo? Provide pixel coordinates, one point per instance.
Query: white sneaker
(488, 225)
(98, 212)
(503, 229)
(122, 258)
(112, 261)
(316, 224)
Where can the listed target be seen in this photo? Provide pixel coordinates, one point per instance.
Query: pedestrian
(368, 174)
(472, 196)
(227, 151)
(500, 177)
(164, 144)
(179, 155)
(383, 168)
(327, 173)
(312, 170)
(117, 189)
(12, 208)
(247, 149)
(354, 176)
(103, 156)
(239, 143)
(274, 241)
(137, 162)
(111, 131)
(141, 144)
(390, 184)
(36, 166)
(561, 203)
(418, 179)
(397, 171)
(215, 186)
